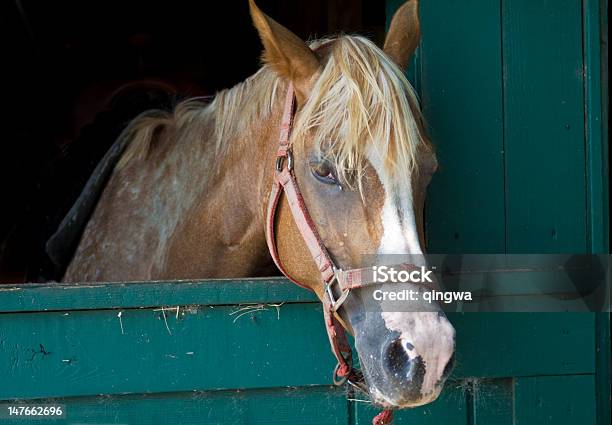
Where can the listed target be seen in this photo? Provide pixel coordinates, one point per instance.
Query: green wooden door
(512, 91)
(190, 353)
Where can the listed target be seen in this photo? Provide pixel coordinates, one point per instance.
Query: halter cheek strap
(285, 182)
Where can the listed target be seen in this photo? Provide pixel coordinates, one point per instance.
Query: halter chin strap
(337, 283)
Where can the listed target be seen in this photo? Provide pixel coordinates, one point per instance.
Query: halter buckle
(280, 161)
(336, 303)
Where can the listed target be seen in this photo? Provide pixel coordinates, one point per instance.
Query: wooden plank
(527, 282)
(62, 354)
(79, 353)
(493, 286)
(42, 297)
(603, 359)
(461, 94)
(492, 401)
(489, 288)
(596, 115)
(472, 401)
(555, 400)
(449, 409)
(524, 344)
(299, 406)
(544, 126)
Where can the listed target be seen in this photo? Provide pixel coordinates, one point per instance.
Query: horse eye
(324, 172)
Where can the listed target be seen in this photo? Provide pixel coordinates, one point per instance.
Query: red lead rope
(383, 418)
(285, 182)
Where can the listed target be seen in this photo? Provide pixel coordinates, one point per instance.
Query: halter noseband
(345, 280)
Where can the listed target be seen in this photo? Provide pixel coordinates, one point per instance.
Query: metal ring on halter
(336, 303)
(338, 380)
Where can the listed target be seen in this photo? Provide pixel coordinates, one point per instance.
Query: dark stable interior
(75, 72)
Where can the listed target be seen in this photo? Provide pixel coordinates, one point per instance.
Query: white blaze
(400, 235)
(431, 336)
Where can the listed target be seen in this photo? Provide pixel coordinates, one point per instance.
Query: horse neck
(228, 217)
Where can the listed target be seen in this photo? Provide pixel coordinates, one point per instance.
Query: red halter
(346, 280)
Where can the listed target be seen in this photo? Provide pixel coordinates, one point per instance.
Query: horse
(190, 196)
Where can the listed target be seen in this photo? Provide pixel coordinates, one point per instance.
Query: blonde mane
(361, 101)
(232, 111)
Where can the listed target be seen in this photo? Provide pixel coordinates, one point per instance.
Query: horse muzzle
(400, 371)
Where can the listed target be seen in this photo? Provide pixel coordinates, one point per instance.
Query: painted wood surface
(514, 93)
(44, 297)
(115, 350)
(300, 406)
(461, 94)
(207, 360)
(544, 130)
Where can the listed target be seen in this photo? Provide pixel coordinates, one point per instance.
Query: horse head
(362, 161)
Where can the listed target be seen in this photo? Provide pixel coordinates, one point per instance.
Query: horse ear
(287, 54)
(404, 34)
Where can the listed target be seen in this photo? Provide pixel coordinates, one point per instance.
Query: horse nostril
(449, 366)
(396, 361)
